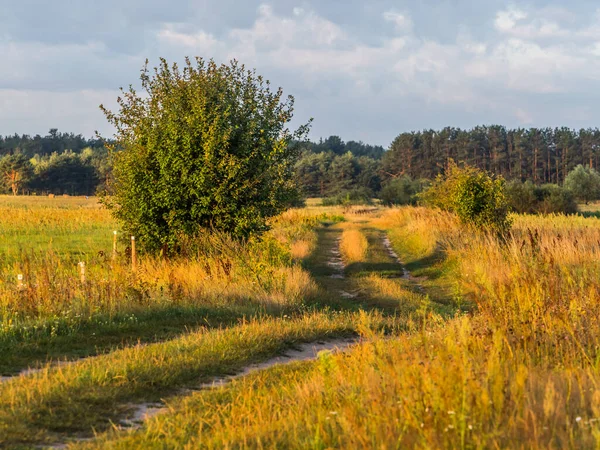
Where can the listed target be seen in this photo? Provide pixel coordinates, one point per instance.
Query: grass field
(466, 341)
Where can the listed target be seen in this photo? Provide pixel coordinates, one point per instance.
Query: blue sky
(363, 70)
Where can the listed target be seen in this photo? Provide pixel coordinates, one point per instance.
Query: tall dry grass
(543, 278)
(214, 272)
(353, 246)
(538, 295)
(437, 388)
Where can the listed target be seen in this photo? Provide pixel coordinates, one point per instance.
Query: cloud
(506, 20)
(199, 40)
(401, 21)
(366, 71)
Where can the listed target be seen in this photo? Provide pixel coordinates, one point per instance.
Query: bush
(206, 146)
(526, 198)
(359, 196)
(477, 198)
(555, 200)
(584, 182)
(521, 197)
(401, 191)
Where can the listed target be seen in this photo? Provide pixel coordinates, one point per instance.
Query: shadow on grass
(427, 264)
(61, 339)
(386, 270)
(589, 214)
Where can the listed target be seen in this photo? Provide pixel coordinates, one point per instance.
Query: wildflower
(451, 413)
(577, 419)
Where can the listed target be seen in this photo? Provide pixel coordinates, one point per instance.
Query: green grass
(443, 387)
(91, 393)
(72, 227)
(430, 268)
(55, 316)
(377, 260)
(187, 313)
(67, 339)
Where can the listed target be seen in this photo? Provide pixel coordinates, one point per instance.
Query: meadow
(462, 339)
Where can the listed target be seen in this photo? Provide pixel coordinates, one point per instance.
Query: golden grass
(302, 249)
(417, 230)
(88, 393)
(353, 246)
(447, 386)
(521, 371)
(45, 243)
(53, 287)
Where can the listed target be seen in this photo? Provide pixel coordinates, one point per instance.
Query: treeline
(58, 173)
(65, 163)
(334, 167)
(58, 163)
(540, 155)
(53, 142)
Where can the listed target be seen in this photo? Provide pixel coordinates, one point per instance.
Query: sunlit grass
(448, 386)
(519, 370)
(91, 392)
(353, 246)
(44, 239)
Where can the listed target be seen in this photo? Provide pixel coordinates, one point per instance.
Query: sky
(363, 70)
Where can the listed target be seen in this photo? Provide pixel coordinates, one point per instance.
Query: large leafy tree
(206, 146)
(15, 172)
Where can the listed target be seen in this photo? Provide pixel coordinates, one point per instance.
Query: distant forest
(59, 163)
(65, 163)
(541, 156)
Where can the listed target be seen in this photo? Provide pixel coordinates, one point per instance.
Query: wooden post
(82, 271)
(114, 252)
(133, 255)
(20, 281)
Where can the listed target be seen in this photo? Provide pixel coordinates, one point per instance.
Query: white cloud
(198, 40)
(305, 29)
(507, 20)
(401, 21)
(504, 73)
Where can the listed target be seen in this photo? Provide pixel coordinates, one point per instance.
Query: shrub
(526, 198)
(401, 191)
(555, 200)
(521, 197)
(204, 147)
(584, 182)
(476, 197)
(359, 196)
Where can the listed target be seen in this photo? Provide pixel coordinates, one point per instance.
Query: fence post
(133, 255)
(82, 271)
(114, 252)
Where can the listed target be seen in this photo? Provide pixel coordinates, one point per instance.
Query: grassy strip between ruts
(91, 393)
